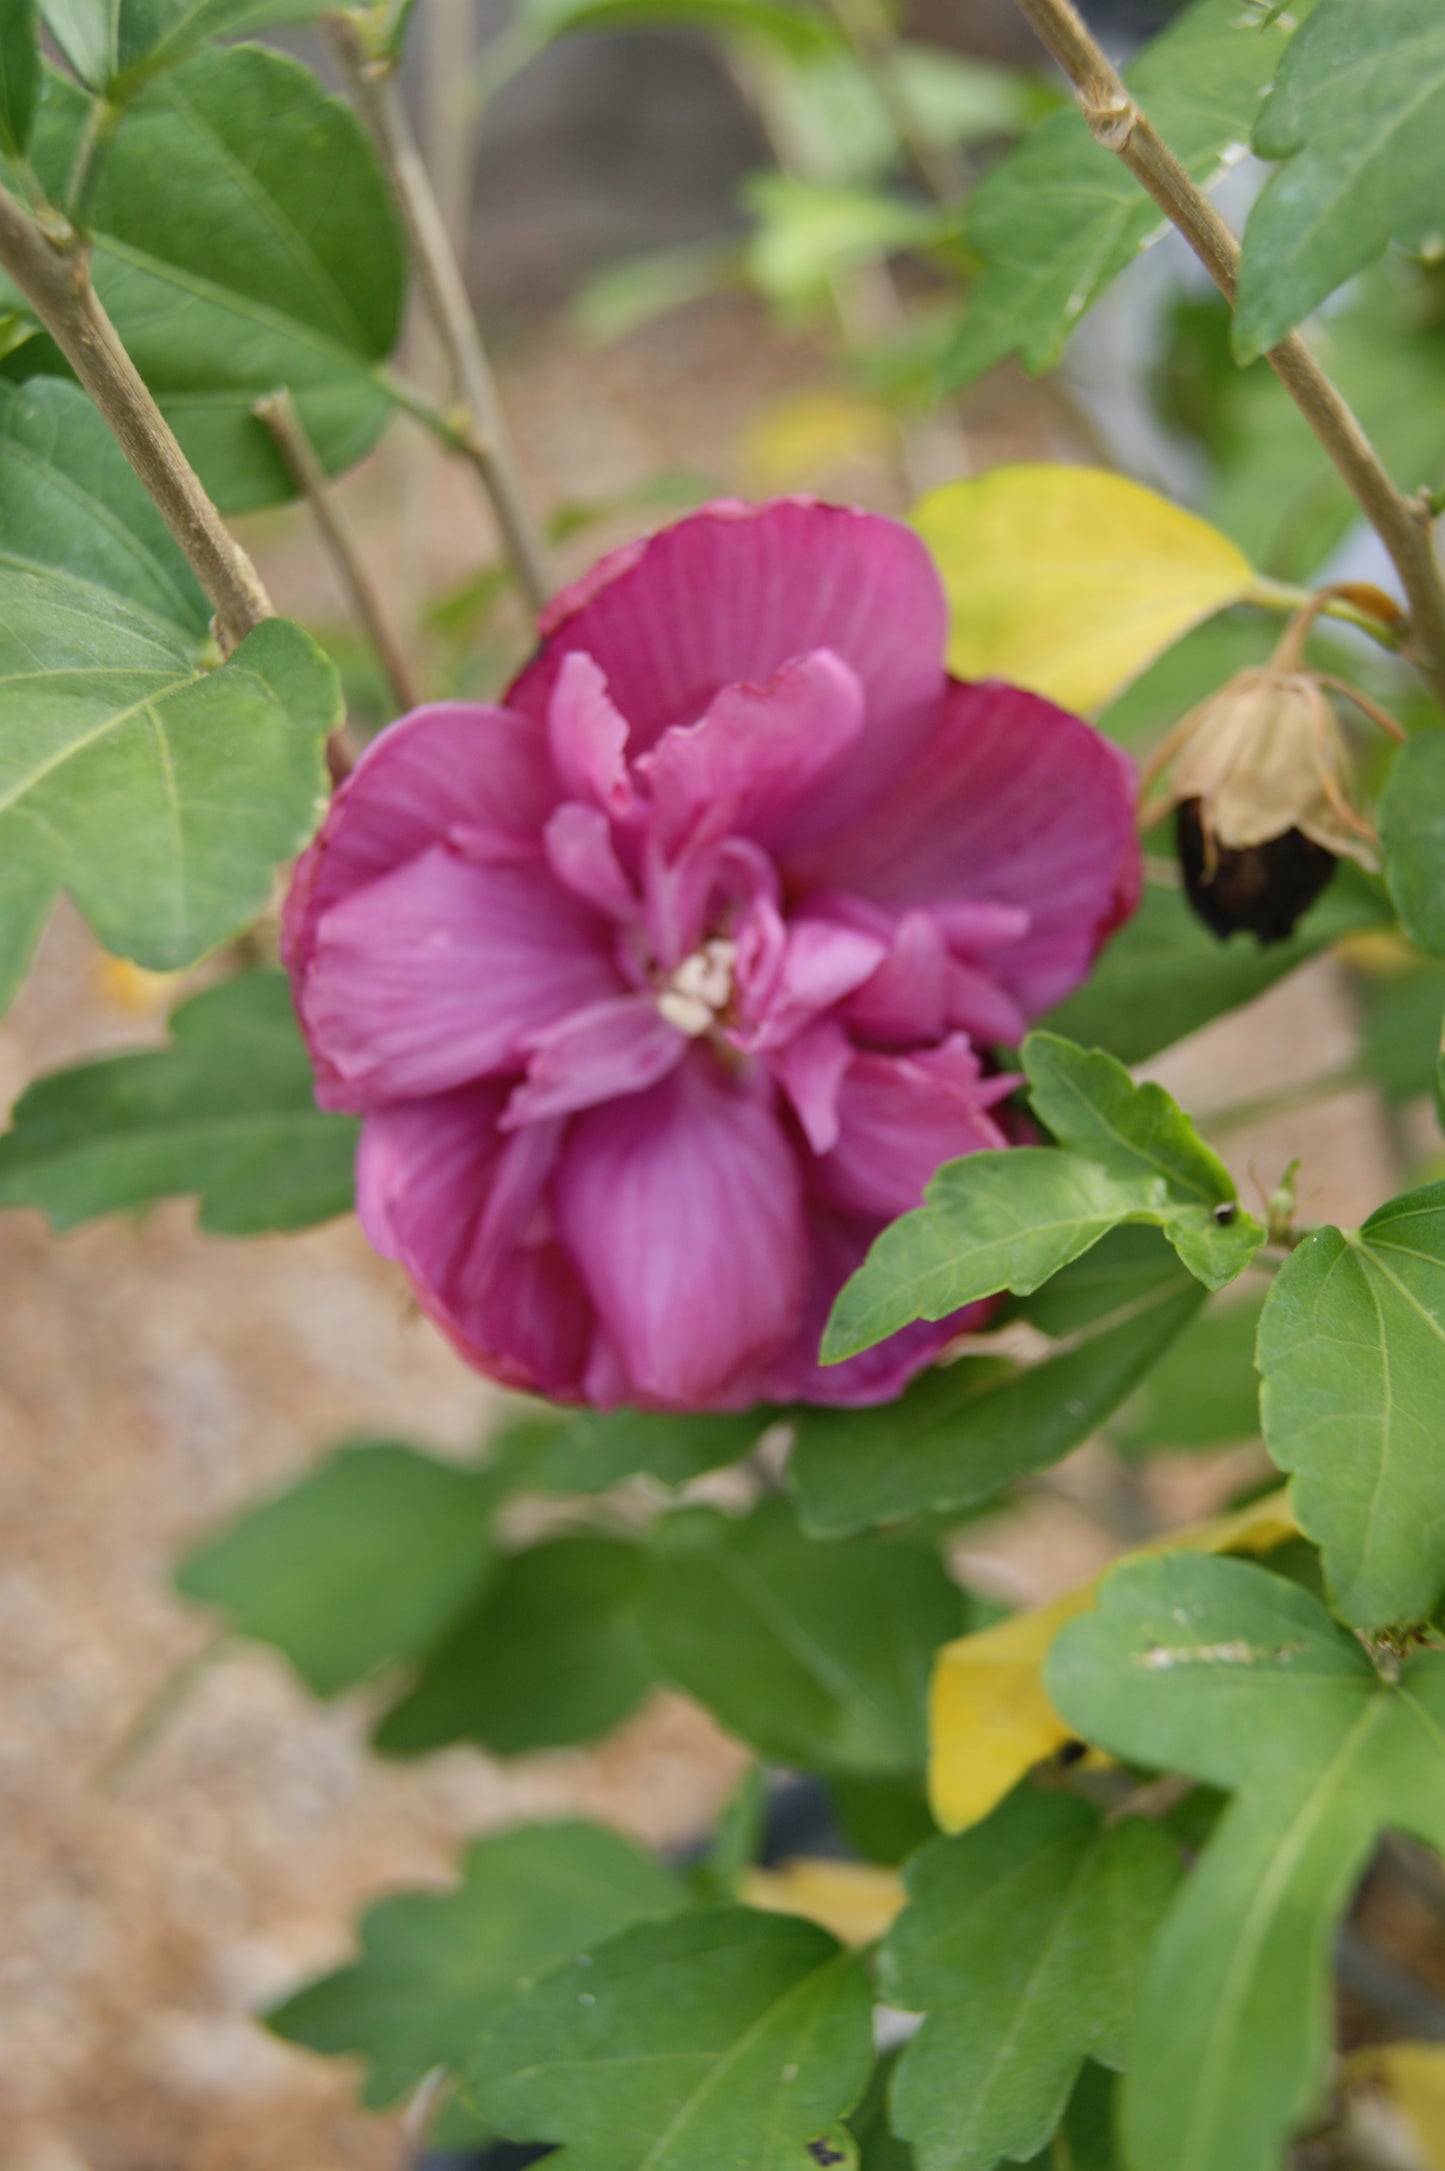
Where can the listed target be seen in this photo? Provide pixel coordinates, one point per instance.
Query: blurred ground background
(154, 1891)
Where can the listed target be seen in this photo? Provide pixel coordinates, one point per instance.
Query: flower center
(700, 989)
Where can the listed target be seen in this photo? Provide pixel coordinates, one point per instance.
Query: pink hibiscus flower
(663, 986)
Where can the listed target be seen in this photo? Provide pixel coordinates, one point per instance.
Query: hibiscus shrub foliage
(727, 1017)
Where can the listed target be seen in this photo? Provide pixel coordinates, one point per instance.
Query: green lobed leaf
(161, 796)
(962, 1433)
(115, 46)
(817, 1655)
(1057, 221)
(551, 1654)
(228, 1111)
(355, 1566)
(437, 1969)
(1357, 114)
(19, 74)
(717, 2039)
(1412, 829)
(244, 240)
(1023, 1942)
(1163, 976)
(1352, 1351)
(1220, 1670)
(1011, 1219)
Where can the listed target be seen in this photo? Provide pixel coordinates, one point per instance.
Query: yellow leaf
(807, 439)
(990, 1720)
(1412, 2078)
(1070, 580)
(857, 1901)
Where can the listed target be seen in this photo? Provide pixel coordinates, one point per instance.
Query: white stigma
(700, 989)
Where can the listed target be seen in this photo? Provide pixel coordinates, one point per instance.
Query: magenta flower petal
(663, 991)
(899, 1118)
(1011, 802)
(731, 594)
(439, 971)
(587, 735)
(749, 763)
(448, 766)
(463, 1212)
(615, 1048)
(683, 1210)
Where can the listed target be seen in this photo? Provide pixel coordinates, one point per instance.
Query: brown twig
(51, 267)
(1115, 121)
(279, 415)
(483, 436)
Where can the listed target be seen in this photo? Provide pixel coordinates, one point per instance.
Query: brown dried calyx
(1263, 781)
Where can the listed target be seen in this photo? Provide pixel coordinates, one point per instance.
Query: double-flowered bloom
(665, 985)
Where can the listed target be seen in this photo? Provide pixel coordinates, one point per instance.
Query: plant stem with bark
(278, 414)
(51, 268)
(483, 435)
(1403, 524)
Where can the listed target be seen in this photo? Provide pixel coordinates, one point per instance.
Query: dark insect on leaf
(1262, 888)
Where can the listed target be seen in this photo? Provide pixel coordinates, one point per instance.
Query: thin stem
(484, 436)
(99, 133)
(279, 415)
(1282, 595)
(1287, 1101)
(52, 271)
(865, 25)
(1402, 523)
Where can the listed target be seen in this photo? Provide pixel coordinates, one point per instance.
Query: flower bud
(1262, 779)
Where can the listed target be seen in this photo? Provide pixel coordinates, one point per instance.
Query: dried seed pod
(1263, 781)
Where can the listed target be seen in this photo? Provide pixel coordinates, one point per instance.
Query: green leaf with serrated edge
(586, 1451)
(1057, 221)
(115, 46)
(1164, 975)
(244, 240)
(1093, 1107)
(818, 1655)
(1023, 1942)
(1352, 1351)
(358, 1564)
(1357, 113)
(159, 796)
(1412, 829)
(1222, 1671)
(550, 1655)
(1205, 1393)
(19, 74)
(437, 1969)
(718, 2039)
(1011, 1219)
(228, 1112)
(961, 1434)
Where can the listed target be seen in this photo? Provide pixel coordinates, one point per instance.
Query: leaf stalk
(1403, 524)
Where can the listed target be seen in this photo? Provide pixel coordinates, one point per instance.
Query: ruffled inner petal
(599, 1054)
(452, 765)
(752, 760)
(587, 734)
(899, 1118)
(436, 973)
(1013, 803)
(683, 1210)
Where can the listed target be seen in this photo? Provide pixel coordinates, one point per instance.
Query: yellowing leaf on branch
(856, 1901)
(1071, 580)
(990, 1720)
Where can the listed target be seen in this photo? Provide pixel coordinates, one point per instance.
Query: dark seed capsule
(1262, 889)
(1226, 1212)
